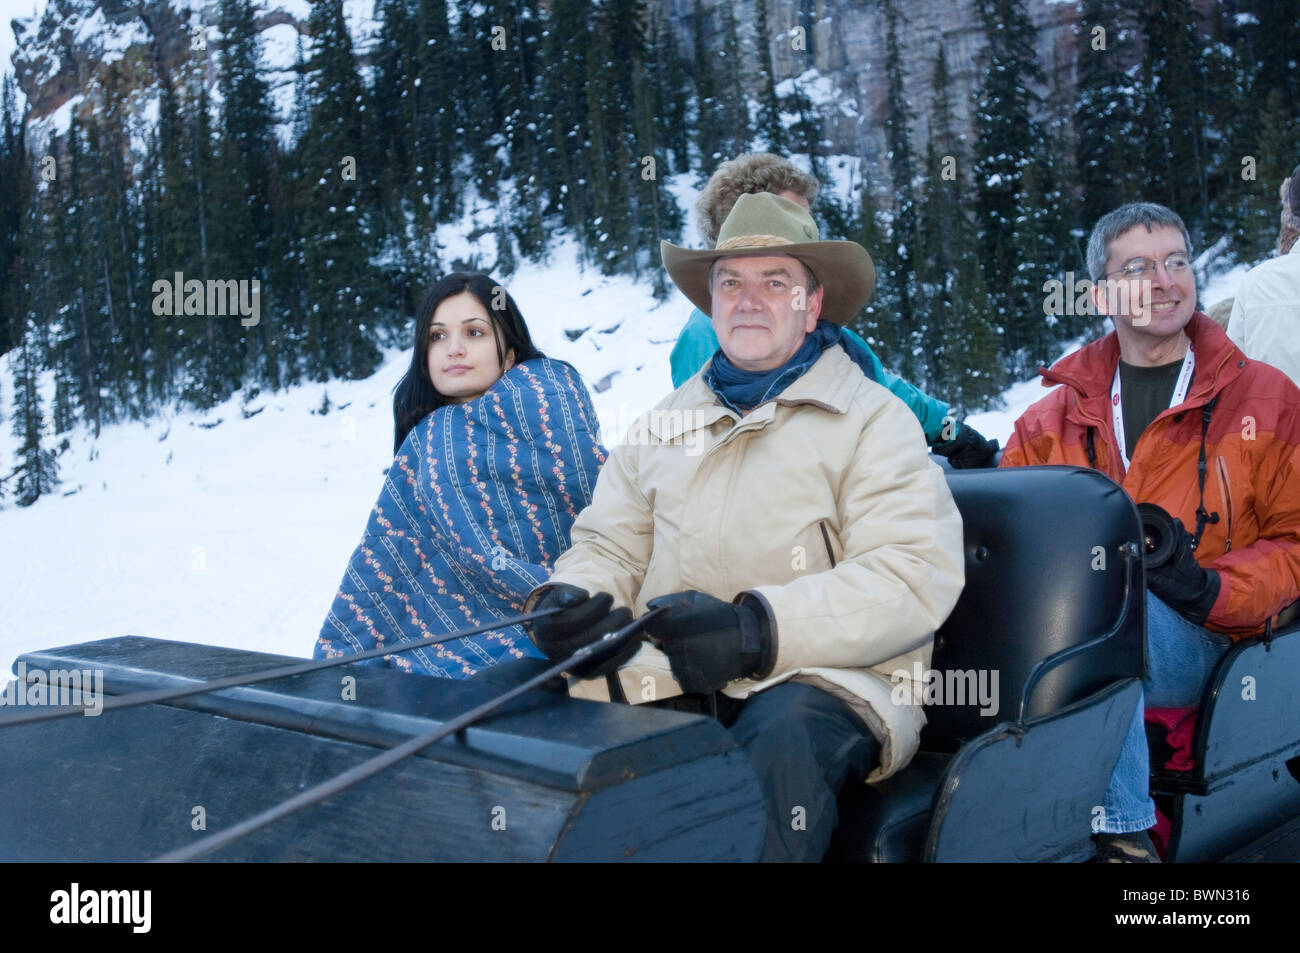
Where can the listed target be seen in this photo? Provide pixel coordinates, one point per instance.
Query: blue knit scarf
(743, 390)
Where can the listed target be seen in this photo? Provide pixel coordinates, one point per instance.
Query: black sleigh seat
(1052, 616)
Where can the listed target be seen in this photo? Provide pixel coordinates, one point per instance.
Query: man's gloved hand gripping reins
(710, 642)
(582, 620)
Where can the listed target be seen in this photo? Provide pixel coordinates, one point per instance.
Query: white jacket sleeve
(902, 567)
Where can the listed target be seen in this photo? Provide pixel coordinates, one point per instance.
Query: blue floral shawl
(475, 509)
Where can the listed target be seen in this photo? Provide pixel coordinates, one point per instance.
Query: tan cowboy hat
(763, 224)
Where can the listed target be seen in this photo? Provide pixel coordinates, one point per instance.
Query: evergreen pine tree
(1230, 119)
(14, 187)
(637, 200)
(672, 92)
(395, 92)
(288, 244)
(565, 162)
(1255, 116)
(523, 124)
(479, 105)
(216, 364)
(245, 139)
(37, 472)
(877, 323)
(241, 186)
(433, 112)
(605, 187)
(1066, 216)
(1271, 30)
(655, 215)
(176, 240)
(157, 339)
(1175, 160)
(1014, 250)
(63, 413)
(81, 342)
(710, 120)
(770, 126)
(332, 210)
(510, 30)
(121, 244)
(102, 207)
(1274, 157)
(898, 256)
(961, 345)
(733, 81)
(1106, 107)
(970, 365)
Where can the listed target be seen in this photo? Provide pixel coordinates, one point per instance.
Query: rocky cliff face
(844, 41)
(80, 48)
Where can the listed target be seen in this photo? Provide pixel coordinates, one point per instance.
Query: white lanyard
(1117, 408)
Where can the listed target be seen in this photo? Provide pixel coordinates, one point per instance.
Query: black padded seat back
(1051, 559)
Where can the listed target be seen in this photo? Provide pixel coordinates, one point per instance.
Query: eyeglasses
(1175, 264)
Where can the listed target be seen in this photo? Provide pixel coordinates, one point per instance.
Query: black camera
(1159, 535)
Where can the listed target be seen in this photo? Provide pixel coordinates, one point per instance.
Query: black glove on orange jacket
(969, 449)
(1182, 584)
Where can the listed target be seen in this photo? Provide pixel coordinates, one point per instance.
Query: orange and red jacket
(1252, 455)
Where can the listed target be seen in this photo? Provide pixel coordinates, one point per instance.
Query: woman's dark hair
(415, 397)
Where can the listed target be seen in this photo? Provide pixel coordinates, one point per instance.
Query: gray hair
(1290, 231)
(1114, 224)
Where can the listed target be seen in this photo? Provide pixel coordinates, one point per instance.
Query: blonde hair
(1220, 312)
(749, 174)
(1290, 230)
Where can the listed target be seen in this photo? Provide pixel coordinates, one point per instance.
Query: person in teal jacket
(697, 344)
(964, 446)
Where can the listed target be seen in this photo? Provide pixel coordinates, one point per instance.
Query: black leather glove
(584, 619)
(710, 642)
(968, 450)
(1181, 583)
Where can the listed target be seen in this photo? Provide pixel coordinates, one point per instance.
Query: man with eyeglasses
(1172, 411)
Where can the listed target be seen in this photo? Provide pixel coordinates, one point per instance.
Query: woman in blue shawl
(497, 448)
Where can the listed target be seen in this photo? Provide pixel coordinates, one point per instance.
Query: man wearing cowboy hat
(784, 511)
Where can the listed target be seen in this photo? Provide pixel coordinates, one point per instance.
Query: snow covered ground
(237, 534)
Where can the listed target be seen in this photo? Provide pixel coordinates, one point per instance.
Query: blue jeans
(1180, 658)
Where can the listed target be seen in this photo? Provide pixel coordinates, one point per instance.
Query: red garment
(1252, 452)
(1180, 728)
(1160, 833)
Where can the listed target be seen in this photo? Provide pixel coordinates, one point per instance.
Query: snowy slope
(238, 534)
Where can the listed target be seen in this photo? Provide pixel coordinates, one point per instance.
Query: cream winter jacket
(1265, 320)
(823, 502)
